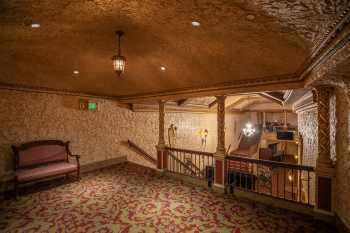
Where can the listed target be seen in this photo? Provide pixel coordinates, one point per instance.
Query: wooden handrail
(142, 152)
(271, 163)
(189, 151)
(182, 163)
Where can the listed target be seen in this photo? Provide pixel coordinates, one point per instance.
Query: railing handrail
(182, 163)
(189, 151)
(141, 151)
(271, 163)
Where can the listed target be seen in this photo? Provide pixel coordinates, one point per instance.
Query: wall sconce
(203, 133)
(172, 134)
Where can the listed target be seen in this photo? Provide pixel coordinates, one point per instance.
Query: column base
(220, 170)
(162, 158)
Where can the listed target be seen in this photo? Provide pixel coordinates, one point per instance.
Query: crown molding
(334, 40)
(280, 82)
(305, 103)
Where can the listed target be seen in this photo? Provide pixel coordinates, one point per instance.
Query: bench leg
(16, 190)
(78, 174)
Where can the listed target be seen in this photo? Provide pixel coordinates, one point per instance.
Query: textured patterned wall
(307, 126)
(97, 135)
(343, 155)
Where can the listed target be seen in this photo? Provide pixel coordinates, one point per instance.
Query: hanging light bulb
(119, 61)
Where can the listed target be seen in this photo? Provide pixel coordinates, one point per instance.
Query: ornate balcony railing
(191, 163)
(281, 180)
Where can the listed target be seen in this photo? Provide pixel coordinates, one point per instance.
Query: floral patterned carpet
(130, 198)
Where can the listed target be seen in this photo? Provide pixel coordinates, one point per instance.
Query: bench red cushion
(41, 154)
(58, 168)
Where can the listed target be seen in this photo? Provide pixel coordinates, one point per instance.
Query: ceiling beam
(226, 89)
(212, 104)
(181, 102)
(270, 97)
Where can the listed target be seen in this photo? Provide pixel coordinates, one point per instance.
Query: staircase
(141, 152)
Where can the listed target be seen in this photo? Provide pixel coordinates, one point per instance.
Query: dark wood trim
(181, 102)
(212, 104)
(219, 166)
(189, 151)
(142, 152)
(324, 191)
(270, 163)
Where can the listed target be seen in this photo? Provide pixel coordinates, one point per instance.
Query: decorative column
(324, 168)
(220, 153)
(162, 157)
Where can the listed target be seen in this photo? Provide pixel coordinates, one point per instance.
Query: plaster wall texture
(96, 135)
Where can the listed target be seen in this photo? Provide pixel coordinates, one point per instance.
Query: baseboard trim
(341, 225)
(102, 164)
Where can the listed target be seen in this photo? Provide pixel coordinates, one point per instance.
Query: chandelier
(249, 130)
(119, 60)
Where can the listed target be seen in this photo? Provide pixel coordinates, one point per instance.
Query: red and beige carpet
(129, 198)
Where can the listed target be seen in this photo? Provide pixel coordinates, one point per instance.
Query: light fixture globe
(119, 61)
(119, 64)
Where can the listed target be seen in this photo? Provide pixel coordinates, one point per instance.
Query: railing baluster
(292, 180)
(247, 173)
(308, 187)
(271, 180)
(299, 180)
(278, 183)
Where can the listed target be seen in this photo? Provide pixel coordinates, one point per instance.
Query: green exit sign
(89, 105)
(92, 105)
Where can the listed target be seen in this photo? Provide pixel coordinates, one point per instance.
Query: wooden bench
(43, 159)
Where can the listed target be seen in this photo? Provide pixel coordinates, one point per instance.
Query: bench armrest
(77, 158)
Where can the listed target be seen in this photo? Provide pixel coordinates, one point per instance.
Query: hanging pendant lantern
(119, 61)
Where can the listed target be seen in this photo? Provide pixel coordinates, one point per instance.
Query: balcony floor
(129, 198)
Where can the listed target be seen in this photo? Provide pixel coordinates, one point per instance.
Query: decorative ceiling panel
(237, 42)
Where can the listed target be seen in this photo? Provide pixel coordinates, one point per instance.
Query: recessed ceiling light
(35, 25)
(76, 72)
(162, 68)
(196, 24)
(250, 17)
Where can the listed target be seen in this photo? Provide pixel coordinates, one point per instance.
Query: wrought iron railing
(282, 180)
(191, 163)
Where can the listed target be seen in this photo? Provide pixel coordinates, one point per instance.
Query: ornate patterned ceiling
(238, 42)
